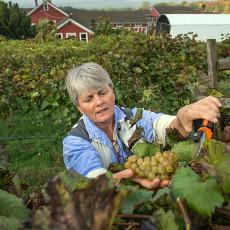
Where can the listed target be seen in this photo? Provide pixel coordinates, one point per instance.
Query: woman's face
(98, 105)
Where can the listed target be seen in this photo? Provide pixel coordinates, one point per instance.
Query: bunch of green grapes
(161, 165)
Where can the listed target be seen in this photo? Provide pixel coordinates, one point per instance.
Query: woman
(102, 133)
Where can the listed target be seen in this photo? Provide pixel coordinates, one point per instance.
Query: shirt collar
(119, 115)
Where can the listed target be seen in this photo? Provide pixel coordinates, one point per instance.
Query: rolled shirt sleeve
(160, 125)
(80, 156)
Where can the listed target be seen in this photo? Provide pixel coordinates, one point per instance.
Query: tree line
(14, 23)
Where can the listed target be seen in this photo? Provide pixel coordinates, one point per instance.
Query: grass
(34, 160)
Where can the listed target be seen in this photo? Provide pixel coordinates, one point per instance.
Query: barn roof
(50, 4)
(63, 22)
(85, 16)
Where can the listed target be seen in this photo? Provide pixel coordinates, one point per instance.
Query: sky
(94, 4)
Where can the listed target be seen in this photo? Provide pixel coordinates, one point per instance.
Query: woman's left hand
(149, 184)
(206, 108)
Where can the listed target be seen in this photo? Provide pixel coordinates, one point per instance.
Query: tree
(103, 26)
(14, 22)
(145, 5)
(46, 31)
(93, 24)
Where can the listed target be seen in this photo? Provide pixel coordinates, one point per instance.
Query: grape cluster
(161, 165)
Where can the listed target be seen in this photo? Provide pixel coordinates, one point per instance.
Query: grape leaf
(93, 207)
(145, 149)
(73, 181)
(221, 161)
(135, 198)
(184, 151)
(216, 152)
(223, 172)
(12, 207)
(201, 196)
(165, 220)
(9, 223)
(160, 193)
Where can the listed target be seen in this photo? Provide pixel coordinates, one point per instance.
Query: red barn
(70, 28)
(66, 26)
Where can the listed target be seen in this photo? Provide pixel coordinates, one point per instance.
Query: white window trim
(145, 29)
(71, 35)
(119, 25)
(85, 34)
(138, 25)
(60, 34)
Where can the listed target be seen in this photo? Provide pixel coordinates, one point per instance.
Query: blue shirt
(80, 155)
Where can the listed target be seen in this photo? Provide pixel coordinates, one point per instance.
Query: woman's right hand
(206, 108)
(149, 184)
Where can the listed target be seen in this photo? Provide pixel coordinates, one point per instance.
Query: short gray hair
(89, 76)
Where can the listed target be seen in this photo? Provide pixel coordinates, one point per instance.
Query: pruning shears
(203, 131)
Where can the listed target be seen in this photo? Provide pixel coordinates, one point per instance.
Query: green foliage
(2, 38)
(6, 177)
(73, 181)
(161, 192)
(145, 5)
(165, 220)
(9, 223)
(224, 86)
(221, 161)
(45, 31)
(33, 74)
(145, 149)
(13, 21)
(102, 26)
(12, 211)
(34, 149)
(201, 196)
(223, 47)
(135, 198)
(184, 150)
(215, 93)
(216, 152)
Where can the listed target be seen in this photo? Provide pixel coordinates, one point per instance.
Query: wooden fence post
(212, 62)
